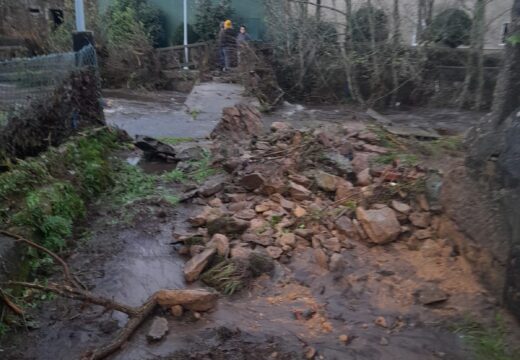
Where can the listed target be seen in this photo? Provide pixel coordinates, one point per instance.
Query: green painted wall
(248, 12)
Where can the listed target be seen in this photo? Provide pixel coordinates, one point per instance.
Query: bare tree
(507, 91)
(475, 63)
(396, 45)
(424, 18)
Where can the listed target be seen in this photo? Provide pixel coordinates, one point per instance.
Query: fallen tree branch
(130, 327)
(66, 271)
(11, 305)
(193, 299)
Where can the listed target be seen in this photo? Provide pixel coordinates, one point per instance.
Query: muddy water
(444, 121)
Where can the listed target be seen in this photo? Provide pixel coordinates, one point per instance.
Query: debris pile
(315, 189)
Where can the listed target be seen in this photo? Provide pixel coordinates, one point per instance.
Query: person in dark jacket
(228, 43)
(221, 62)
(242, 39)
(243, 36)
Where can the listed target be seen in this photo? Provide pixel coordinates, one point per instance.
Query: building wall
(498, 14)
(27, 19)
(248, 12)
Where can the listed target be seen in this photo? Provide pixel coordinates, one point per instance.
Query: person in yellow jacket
(227, 42)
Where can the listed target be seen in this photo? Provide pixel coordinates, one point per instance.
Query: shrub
(451, 27)
(361, 25)
(209, 17)
(178, 35)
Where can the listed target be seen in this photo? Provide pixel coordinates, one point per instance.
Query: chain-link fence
(23, 81)
(46, 99)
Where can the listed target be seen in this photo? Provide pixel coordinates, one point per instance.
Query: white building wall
(498, 14)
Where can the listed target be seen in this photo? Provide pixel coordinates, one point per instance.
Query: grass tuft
(488, 342)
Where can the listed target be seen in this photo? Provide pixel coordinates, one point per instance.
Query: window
(505, 33)
(56, 16)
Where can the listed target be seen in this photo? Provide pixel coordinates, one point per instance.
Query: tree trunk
(424, 17)
(347, 49)
(507, 92)
(396, 45)
(375, 77)
(475, 62)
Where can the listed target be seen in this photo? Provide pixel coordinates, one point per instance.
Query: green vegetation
(195, 113)
(488, 342)
(176, 175)
(175, 140)
(45, 196)
(361, 25)
(209, 16)
(227, 276)
(3, 118)
(402, 158)
(445, 145)
(200, 171)
(451, 27)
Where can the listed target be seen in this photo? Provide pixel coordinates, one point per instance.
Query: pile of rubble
(291, 189)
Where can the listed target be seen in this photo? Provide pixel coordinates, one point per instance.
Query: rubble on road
(292, 189)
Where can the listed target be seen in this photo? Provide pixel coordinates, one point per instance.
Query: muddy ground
(300, 309)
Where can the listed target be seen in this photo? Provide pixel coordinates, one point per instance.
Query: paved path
(171, 114)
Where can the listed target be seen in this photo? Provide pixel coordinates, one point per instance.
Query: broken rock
(158, 330)
(177, 311)
(326, 181)
(364, 178)
(246, 214)
(298, 192)
(299, 212)
(344, 190)
(274, 252)
(423, 234)
(207, 214)
(332, 244)
(401, 207)
(221, 243)
(420, 219)
(227, 225)
(279, 126)
(340, 163)
(346, 227)
(287, 239)
(380, 225)
(337, 263)
(196, 265)
(194, 300)
(238, 123)
(212, 186)
(252, 181)
(321, 258)
(431, 294)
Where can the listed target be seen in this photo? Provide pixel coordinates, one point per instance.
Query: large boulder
(196, 265)
(238, 123)
(381, 225)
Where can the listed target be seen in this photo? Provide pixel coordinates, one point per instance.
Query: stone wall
(483, 198)
(30, 20)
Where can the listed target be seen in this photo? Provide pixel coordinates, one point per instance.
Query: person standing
(243, 36)
(242, 39)
(228, 43)
(221, 62)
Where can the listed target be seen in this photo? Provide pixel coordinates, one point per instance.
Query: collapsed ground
(324, 243)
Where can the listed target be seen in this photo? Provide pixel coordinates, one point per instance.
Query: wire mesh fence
(26, 80)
